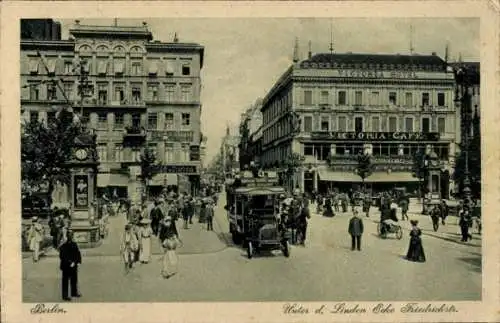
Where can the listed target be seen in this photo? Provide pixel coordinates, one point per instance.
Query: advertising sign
(81, 191)
(178, 169)
(377, 136)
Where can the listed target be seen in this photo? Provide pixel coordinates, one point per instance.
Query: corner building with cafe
(331, 107)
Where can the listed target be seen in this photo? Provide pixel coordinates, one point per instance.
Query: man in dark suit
(356, 231)
(70, 257)
(156, 216)
(209, 215)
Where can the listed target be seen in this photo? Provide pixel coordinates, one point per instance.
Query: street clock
(81, 154)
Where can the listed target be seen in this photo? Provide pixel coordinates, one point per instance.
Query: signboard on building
(177, 169)
(173, 135)
(377, 136)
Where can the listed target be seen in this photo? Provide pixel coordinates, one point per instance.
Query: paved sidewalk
(195, 240)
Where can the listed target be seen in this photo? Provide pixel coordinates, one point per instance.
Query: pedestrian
(54, 230)
(156, 216)
(444, 211)
(70, 257)
(367, 202)
(464, 223)
(394, 209)
(209, 215)
(356, 231)
(35, 238)
(302, 224)
(415, 250)
(191, 209)
(129, 246)
(185, 213)
(170, 241)
(404, 204)
(145, 233)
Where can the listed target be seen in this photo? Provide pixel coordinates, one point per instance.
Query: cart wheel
(286, 249)
(249, 250)
(399, 233)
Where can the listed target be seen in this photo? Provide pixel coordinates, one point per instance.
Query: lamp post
(462, 102)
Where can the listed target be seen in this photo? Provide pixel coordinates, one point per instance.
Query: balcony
(134, 136)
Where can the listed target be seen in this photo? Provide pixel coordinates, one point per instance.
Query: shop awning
(159, 180)
(331, 176)
(391, 177)
(104, 180)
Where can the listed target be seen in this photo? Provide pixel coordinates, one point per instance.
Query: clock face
(81, 154)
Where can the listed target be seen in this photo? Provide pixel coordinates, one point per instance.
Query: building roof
(381, 61)
(115, 31)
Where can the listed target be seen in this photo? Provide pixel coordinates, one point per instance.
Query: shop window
(308, 150)
(384, 150)
(340, 150)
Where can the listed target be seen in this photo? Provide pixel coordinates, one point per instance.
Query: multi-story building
(40, 29)
(229, 152)
(144, 93)
(250, 123)
(389, 106)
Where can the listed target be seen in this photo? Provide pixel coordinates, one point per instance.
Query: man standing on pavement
(156, 217)
(356, 231)
(302, 223)
(70, 257)
(209, 215)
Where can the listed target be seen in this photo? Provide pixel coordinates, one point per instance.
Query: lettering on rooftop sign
(377, 136)
(377, 74)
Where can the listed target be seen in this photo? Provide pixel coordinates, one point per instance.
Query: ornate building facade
(389, 106)
(140, 93)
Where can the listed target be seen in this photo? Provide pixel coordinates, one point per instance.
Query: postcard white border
(12, 308)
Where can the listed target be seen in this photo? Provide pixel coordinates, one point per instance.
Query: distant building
(229, 152)
(40, 29)
(250, 124)
(331, 107)
(144, 93)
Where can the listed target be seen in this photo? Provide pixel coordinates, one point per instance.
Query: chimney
(309, 54)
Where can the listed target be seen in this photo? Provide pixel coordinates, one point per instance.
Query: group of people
(293, 214)
(158, 219)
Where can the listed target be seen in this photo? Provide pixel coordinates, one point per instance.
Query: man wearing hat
(156, 216)
(70, 257)
(356, 231)
(209, 215)
(35, 238)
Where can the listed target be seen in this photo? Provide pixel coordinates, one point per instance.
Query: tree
(148, 166)
(364, 167)
(46, 150)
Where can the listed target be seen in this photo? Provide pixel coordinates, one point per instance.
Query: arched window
(85, 48)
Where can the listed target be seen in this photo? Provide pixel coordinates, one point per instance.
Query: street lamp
(462, 102)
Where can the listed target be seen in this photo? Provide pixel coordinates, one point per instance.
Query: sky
(244, 57)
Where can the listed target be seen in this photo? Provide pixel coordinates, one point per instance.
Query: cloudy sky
(244, 57)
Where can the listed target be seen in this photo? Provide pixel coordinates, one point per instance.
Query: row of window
(118, 153)
(107, 67)
(322, 151)
(121, 120)
(277, 107)
(375, 98)
(391, 124)
(172, 92)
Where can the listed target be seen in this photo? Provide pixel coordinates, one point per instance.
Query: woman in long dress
(170, 241)
(145, 234)
(35, 237)
(416, 249)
